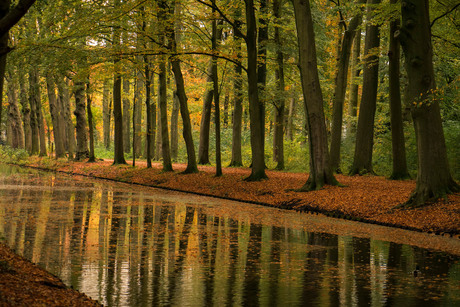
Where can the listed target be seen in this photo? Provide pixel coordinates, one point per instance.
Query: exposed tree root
(424, 196)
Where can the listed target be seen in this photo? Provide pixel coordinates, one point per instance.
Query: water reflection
(131, 247)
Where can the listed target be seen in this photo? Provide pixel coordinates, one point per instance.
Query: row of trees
(96, 50)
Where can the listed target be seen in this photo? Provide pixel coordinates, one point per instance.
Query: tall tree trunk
(226, 104)
(149, 111)
(397, 131)
(433, 178)
(137, 113)
(69, 128)
(4, 9)
(341, 88)
(165, 149)
(80, 114)
(362, 160)
(215, 82)
(354, 87)
(290, 121)
(92, 158)
(41, 130)
(34, 94)
(203, 148)
(175, 127)
(320, 168)
(25, 113)
(106, 113)
(14, 116)
(237, 118)
(262, 41)
(278, 135)
(126, 116)
(255, 106)
(55, 117)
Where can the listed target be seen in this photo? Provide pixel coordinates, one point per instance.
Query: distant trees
(88, 71)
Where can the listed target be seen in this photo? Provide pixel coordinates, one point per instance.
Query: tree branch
(442, 15)
(14, 15)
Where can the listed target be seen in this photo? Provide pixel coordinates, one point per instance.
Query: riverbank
(367, 199)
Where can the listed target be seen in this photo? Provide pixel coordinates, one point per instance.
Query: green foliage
(452, 136)
(12, 155)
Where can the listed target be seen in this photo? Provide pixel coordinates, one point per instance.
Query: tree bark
(320, 168)
(175, 127)
(91, 157)
(433, 178)
(215, 82)
(137, 113)
(34, 93)
(55, 118)
(106, 113)
(354, 87)
(14, 117)
(25, 113)
(237, 118)
(165, 149)
(362, 160)
(278, 135)
(341, 88)
(255, 107)
(69, 128)
(80, 114)
(397, 131)
(203, 148)
(126, 116)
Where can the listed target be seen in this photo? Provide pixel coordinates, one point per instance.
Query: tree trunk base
(256, 176)
(424, 196)
(314, 184)
(190, 170)
(361, 172)
(400, 176)
(235, 164)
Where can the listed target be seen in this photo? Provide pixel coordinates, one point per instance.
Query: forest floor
(369, 199)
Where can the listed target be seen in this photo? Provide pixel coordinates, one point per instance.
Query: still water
(132, 246)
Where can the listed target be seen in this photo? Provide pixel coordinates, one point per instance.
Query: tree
(340, 88)
(433, 177)
(362, 159)
(397, 132)
(320, 168)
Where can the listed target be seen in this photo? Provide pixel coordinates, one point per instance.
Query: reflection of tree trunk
(80, 114)
(362, 160)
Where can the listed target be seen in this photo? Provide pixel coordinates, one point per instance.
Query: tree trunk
(4, 9)
(137, 114)
(92, 158)
(126, 116)
(340, 90)
(80, 114)
(69, 128)
(290, 121)
(14, 116)
(175, 127)
(397, 131)
(41, 130)
(362, 160)
(34, 93)
(433, 178)
(262, 41)
(255, 106)
(320, 168)
(354, 87)
(278, 135)
(106, 113)
(215, 82)
(237, 118)
(55, 118)
(149, 137)
(25, 113)
(203, 148)
(165, 149)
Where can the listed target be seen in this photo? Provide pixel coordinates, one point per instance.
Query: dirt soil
(367, 199)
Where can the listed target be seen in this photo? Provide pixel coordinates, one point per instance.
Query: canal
(127, 245)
